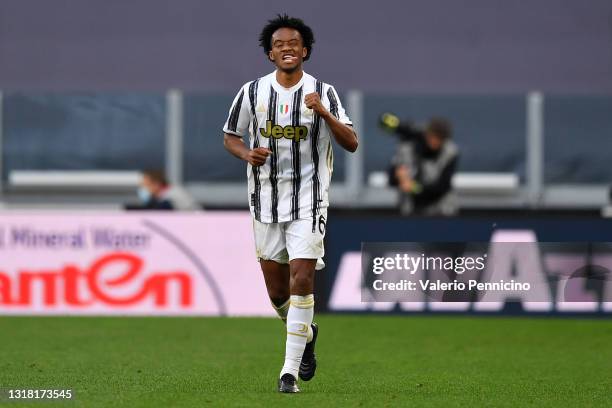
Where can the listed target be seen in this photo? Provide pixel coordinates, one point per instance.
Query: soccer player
(290, 118)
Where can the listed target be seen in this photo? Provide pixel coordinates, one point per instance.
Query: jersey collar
(280, 88)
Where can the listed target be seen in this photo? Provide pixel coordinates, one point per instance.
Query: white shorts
(285, 241)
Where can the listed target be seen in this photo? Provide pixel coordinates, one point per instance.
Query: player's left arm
(344, 134)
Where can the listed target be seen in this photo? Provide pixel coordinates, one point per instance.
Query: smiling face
(288, 51)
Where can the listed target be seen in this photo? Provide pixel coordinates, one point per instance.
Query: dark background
(474, 46)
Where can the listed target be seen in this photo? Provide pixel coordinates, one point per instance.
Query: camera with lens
(404, 130)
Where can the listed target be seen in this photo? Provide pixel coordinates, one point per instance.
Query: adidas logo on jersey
(260, 108)
(296, 133)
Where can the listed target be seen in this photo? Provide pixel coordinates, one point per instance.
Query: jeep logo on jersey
(296, 133)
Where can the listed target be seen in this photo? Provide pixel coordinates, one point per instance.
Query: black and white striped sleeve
(239, 116)
(335, 106)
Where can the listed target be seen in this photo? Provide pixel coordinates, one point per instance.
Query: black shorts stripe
(295, 156)
(314, 147)
(256, 198)
(232, 122)
(333, 102)
(273, 146)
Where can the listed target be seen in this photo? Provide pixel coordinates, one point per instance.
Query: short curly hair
(284, 21)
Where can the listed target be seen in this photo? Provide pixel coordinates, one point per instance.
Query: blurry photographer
(155, 193)
(423, 166)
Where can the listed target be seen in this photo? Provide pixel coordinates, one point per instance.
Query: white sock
(299, 319)
(282, 310)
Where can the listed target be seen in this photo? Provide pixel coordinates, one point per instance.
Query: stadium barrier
(578, 250)
(198, 264)
(139, 263)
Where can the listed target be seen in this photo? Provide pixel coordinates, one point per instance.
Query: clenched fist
(313, 101)
(258, 156)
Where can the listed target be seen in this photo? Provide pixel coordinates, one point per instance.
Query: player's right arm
(237, 126)
(235, 145)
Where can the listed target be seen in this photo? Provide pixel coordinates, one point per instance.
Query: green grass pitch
(363, 361)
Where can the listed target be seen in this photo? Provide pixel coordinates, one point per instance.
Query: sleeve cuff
(231, 132)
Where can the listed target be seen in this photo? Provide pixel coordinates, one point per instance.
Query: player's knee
(303, 281)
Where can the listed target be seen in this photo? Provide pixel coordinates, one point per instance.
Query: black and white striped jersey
(294, 181)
